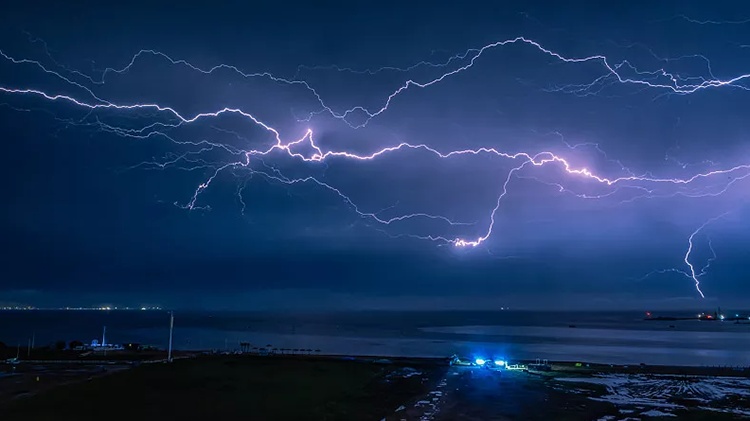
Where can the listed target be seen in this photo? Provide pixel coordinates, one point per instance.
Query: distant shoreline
(567, 366)
(691, 311)
(613, 338)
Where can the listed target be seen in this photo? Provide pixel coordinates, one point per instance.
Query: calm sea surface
(607, 337)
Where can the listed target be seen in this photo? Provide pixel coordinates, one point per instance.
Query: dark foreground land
(233, 387)
(329, 388)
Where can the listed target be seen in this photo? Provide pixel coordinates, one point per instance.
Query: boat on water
(706, 316)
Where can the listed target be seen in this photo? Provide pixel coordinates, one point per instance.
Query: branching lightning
(693, 275)
(305, 150)
(712, 22)
(691, 272)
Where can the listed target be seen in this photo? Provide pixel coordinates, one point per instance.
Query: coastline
(622, 338)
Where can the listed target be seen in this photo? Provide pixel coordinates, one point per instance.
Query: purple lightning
(305, 149)
(691, 273)
(695, 276)
(712, 22)
(672, 83)
(539, 159)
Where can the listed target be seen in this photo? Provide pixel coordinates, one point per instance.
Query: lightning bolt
(712, 22)
(693, 275)
(672, 83)
(384, 69)
(305, 149)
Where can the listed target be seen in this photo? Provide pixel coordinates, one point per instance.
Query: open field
(228, 386)
(27, 380)
(335, 388)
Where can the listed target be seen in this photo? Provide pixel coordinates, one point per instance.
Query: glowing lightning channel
(710, 259)
(537, 160)
(693, 275)
(712, 22)
(676, 84)
(373, 72)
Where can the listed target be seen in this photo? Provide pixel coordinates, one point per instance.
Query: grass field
(293, 387)
(212, 388)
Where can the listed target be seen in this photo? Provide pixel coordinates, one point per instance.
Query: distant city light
(480, 361)
(500, 363)
(100, 308)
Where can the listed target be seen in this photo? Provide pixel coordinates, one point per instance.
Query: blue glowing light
(480, 361)
(500, 363)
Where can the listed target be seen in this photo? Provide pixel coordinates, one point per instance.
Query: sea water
(603, 337)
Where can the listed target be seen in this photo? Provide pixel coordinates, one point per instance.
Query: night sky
(625, 130)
